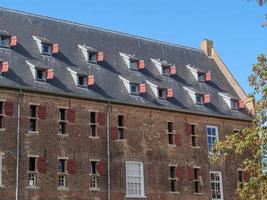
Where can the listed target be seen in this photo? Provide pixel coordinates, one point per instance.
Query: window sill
(33, 132)
(95, 189)
(175, 192)
(121, 140)
(172, 145)
(195, 147)
(198, 193)
(94, 137)
(62, 189)
(32, 187)
(2, 129)
(2, 186)
(135, 197)
(63, 135)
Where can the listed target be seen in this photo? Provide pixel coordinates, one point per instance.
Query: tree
(251, 143)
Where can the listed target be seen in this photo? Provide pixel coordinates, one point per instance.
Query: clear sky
(233, 25)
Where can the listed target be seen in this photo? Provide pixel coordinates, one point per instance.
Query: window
(134, 179)
(33, 118)
(170, 133)
(62, 121)
(94, 175)
(121, 132)
(201, 77)
(40, 75)
(1, 169)
(62, 174)
(82, 81)
(196, 180)
(234, 104)
(91, 56)
(212, 135)
(1, 115)
(216, 185)
(93, 132)
(32, 172)
(133, 64)
(173, 180)
(165, 71)
(4, 41)
(194, 142)
(162, 93)
(134, 88)
(46, 49)
(240, 177)
(199, 98)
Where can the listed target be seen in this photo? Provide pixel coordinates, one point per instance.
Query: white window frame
(34, 174)
(216, 136)
(234, 104)
(201, 96)
(63, 174)
(43, 74)
(84, 81)
(94, 178)
(137, 89)
(49, 46)
(1, 168)
(93, 60)
(6, 38)
(142, 195)
(220, 182)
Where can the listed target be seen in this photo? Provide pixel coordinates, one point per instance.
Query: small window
(121, 132)
(173, 180)
(93, 132)
(62, 174)
(47, 49)
(212, 136)
(94, 175)
(194, 136)
(134, 88)
(133, 65)
(162, 93)
(1, 115)
(33, 118)
(196, 180)
(4, 41)
(199, 98)
(82, 81)
(134, 179)
(216, 186)
(240, 178)
(170, 133)
(165, 71)
(201, 77)
(91, 57)
(62, 121)
(32, 172)
(234, 104)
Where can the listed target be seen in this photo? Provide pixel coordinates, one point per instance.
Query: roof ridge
(98, 28)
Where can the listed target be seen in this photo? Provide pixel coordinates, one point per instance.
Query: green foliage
(250, 143)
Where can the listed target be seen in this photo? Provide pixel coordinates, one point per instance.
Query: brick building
(87, 113)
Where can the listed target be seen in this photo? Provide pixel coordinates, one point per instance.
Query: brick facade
(146, 141)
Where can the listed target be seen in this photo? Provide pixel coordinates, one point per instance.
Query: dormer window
(197, 96)
(165, 68)
(133, 87)
(132, 61)
(199, 74)
(40, 75)
(232, 102)
(81, 81)
(4, 66)
(45, 46)
(40, 72)
(90, 54)
(162, 93)
(6, 40)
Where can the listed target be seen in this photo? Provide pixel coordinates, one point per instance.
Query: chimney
(250, 104)
(207, 46)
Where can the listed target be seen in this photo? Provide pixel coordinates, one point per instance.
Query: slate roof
(108, 85)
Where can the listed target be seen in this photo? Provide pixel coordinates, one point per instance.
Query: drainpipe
(108, 146)
(18, 145)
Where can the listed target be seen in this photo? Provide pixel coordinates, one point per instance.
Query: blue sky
(233, 25)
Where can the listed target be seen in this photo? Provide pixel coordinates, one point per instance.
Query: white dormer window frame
(81, 81)
(91, 55)
(40, 74)
(46, 49)
(4, 41)
(201, 77)
(162, 94)
(197, 97)
(198, 75)
(163, 67)
(131, 61)
(231, 102)
(133, 88)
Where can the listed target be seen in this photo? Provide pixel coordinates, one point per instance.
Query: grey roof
(108, 84)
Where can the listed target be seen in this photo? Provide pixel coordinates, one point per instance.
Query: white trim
(154, 88)
(221, 183)
(216, 136)
(142, 180)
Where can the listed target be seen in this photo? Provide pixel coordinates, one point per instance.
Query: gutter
(108, 146)
(18, 144)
